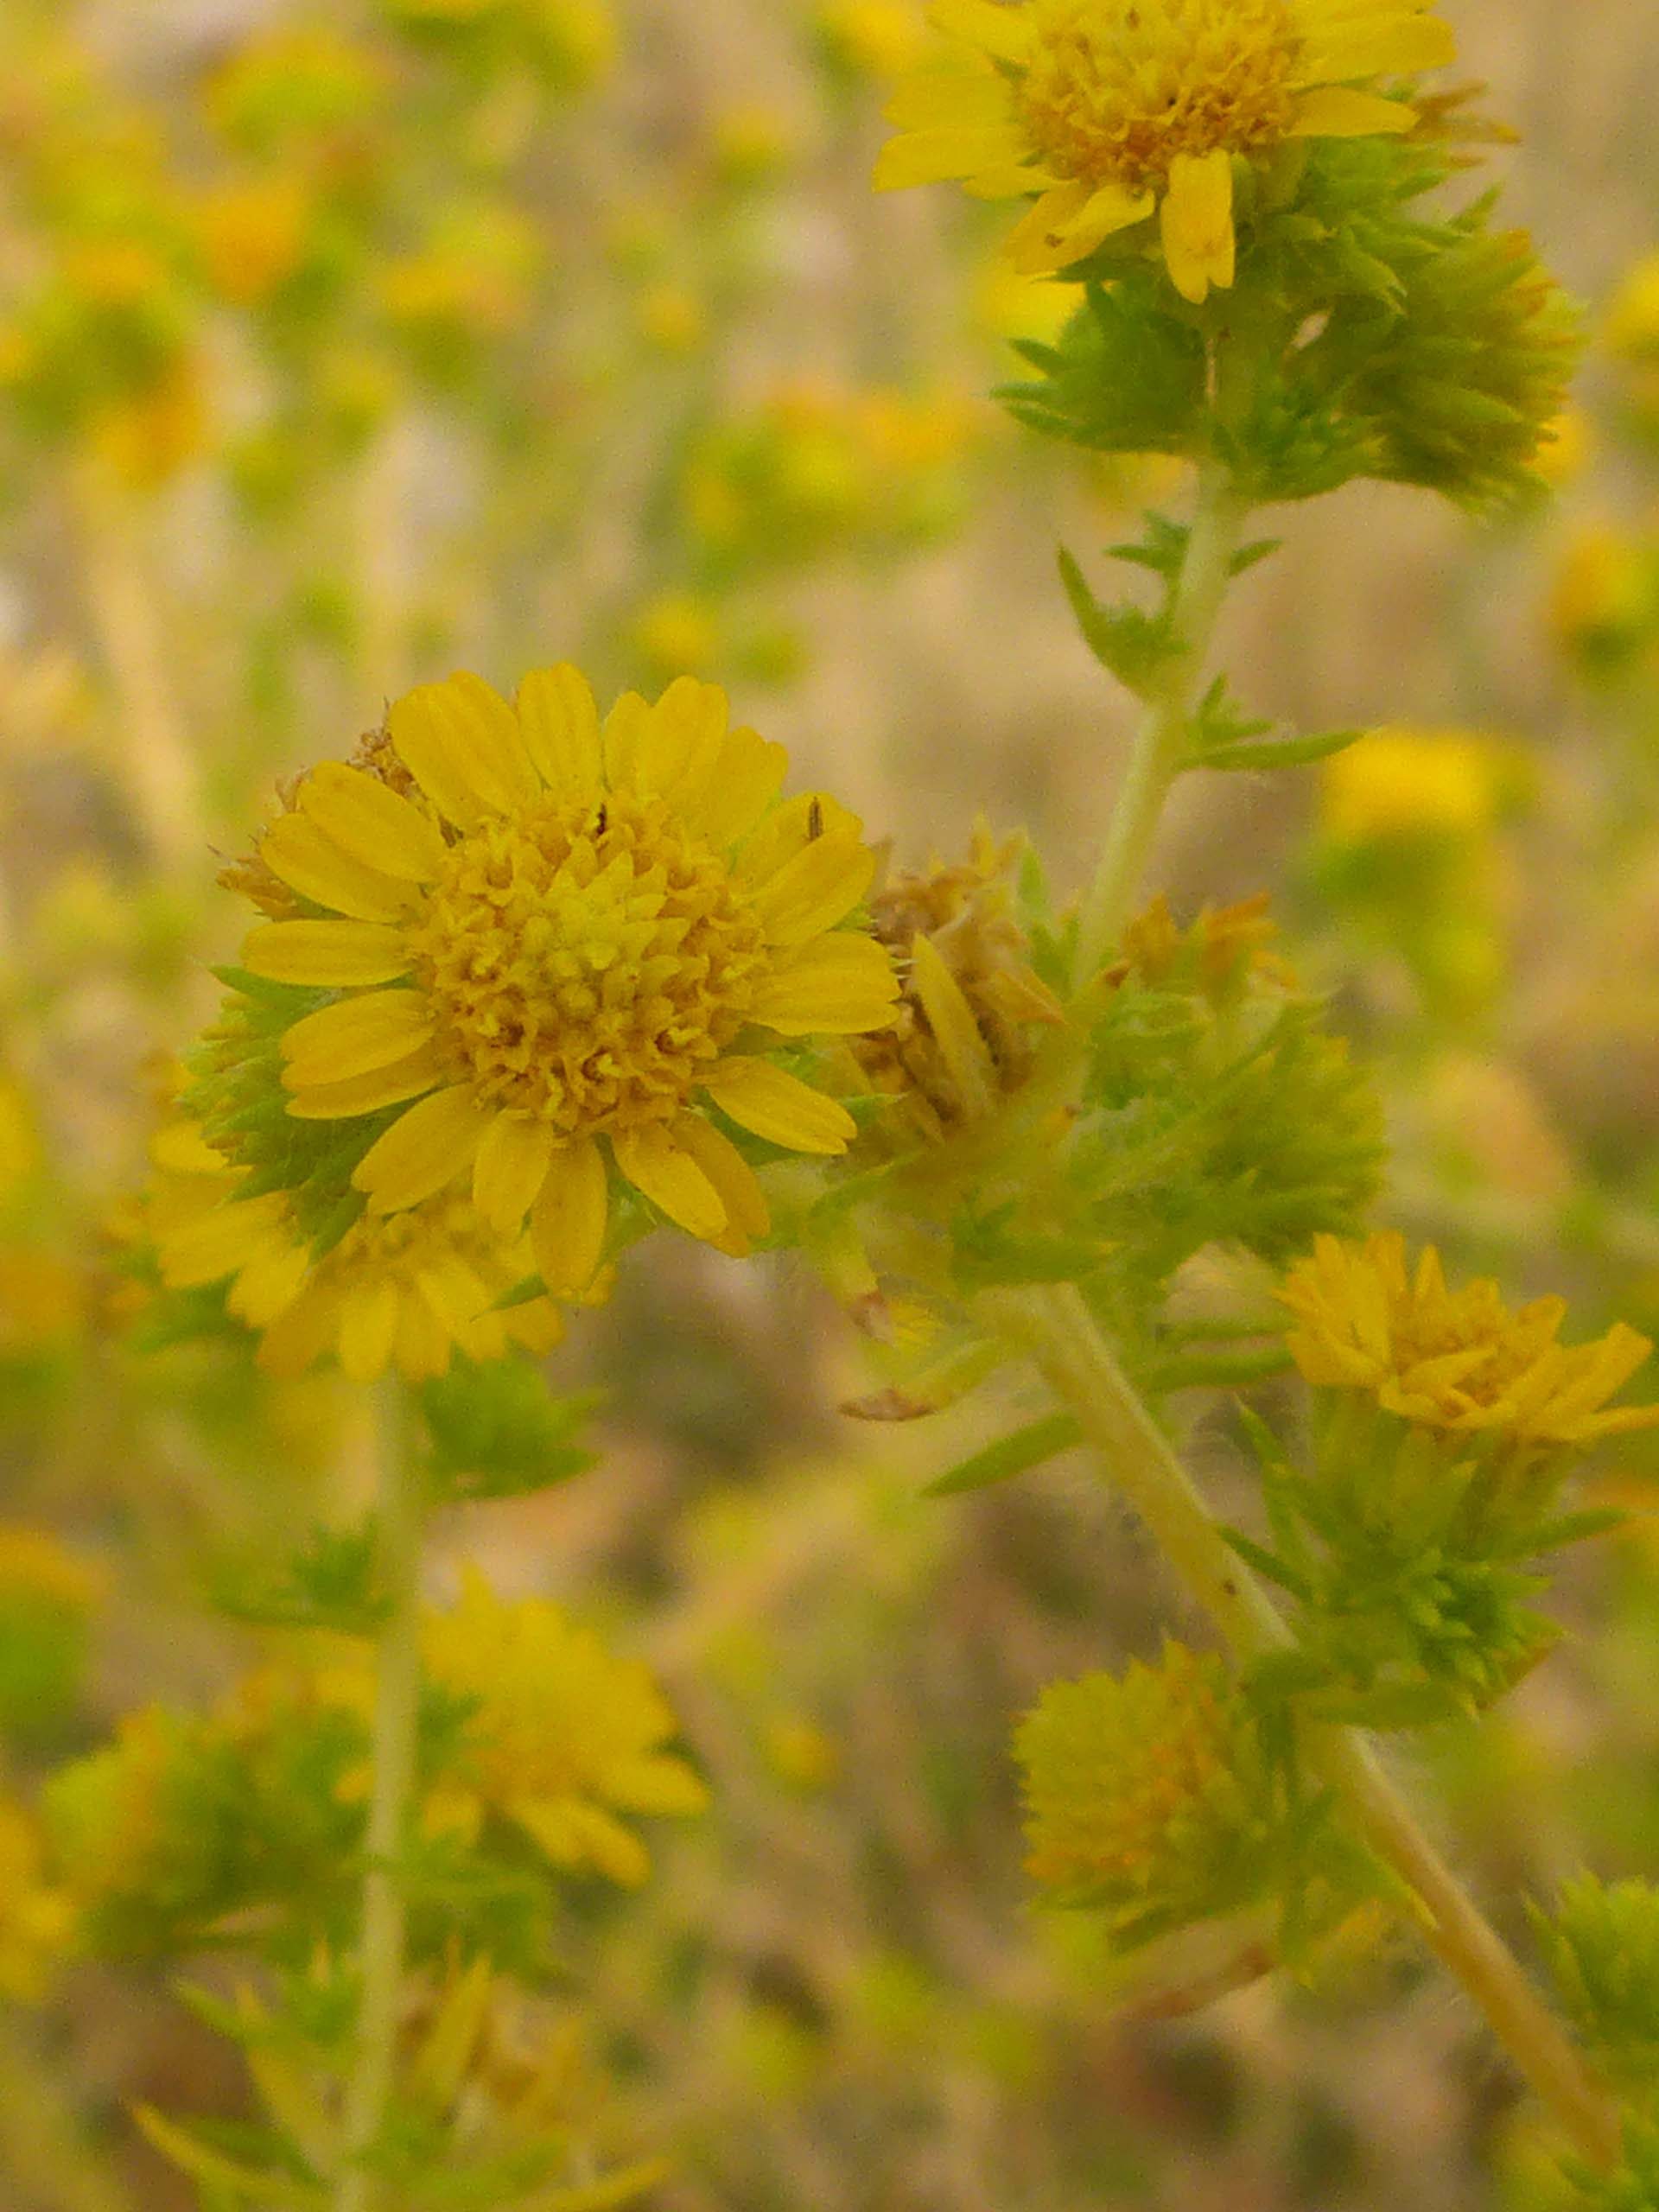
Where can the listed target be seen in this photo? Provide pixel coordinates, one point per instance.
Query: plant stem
(1159, 742)
(149, 751)
(397, 1713)
(1054, 1326)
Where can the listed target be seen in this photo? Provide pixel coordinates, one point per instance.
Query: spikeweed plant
(538, 995)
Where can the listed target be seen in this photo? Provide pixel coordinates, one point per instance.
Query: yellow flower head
(1111, 112)
(405, 1289)
(1416, 783)
(563, 1736)
(36, 1921)
(1140, 1788)
(556, 946)
(1455, 1360)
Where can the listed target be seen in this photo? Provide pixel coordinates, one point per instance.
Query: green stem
(1054, 1326)
(396, 1714)
(1160, 741)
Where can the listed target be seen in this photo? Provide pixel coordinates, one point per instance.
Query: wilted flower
(972, 1006)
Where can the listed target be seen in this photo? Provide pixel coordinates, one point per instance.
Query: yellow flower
(1140, 1789)
(408, 1288)
(1414, 783)
(36, 1921)
(563, 1736)
(870, 38)
(1112, 113)
(1605, 592)
(559, 935)
(1454, 1360)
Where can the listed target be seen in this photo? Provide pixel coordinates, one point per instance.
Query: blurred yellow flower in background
(1113, 114)
(405, 1290)
(1632, 329)
(563, 1736)
(557, 933)
(1455, 1360)
(1403, 782)
(1604, 600)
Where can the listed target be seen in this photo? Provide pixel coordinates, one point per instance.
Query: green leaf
(1163, 549)
(1013, 1455)
(1405, 1705)
(1279, 1676)
(1130, 643)
(1218, 1370)
(1569, 1528)
(1251, 557)
(1286, 752)
(1220, 726)
(1267, 1565)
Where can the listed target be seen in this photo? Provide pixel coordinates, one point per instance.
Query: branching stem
(1054, 1326)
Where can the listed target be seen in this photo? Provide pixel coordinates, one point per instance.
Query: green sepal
(1127, 375)
(497, 1431)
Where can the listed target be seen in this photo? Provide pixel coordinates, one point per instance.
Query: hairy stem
(1053, 1325)
(1159, 742)
(397, 1713)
